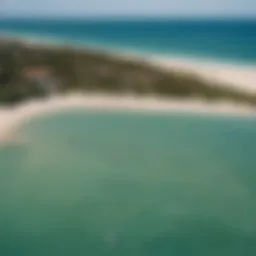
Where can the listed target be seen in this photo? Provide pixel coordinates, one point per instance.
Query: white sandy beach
(235, 76)
(12, 118)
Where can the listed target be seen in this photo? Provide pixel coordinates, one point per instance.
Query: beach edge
(14, 117)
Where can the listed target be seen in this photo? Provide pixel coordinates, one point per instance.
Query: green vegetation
(81, 70)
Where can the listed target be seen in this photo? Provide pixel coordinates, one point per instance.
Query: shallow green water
(130, 184)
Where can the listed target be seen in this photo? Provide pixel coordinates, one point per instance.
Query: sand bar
(12, 118)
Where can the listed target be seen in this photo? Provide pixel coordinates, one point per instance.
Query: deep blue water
(85, 183)
(229, 40)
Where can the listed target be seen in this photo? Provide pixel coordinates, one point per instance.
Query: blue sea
(230, 40)
(95, 183)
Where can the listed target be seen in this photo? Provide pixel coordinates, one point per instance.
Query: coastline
(241, 78)
(13, 118)
(235, 76)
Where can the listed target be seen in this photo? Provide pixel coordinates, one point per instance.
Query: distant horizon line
(129, 17)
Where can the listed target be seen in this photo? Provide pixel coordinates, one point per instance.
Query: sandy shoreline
(12, 118)
(242, 78)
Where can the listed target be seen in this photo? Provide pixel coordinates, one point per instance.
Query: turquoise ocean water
(94, 183)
